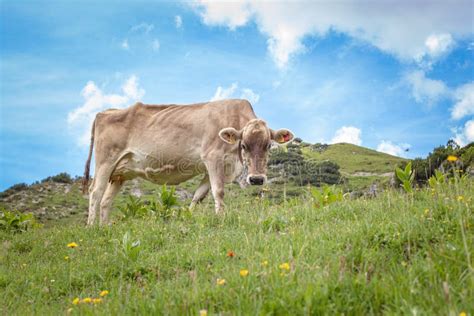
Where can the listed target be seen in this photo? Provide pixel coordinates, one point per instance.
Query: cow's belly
(157, 170)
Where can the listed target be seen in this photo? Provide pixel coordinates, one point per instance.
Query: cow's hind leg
(201, 191)
(112, 189)
(97, 191)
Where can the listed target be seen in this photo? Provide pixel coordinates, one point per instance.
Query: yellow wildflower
(72, 245)
(460, 198)
(87, 300)
(244, 272)
(96, 300)
(427, 211)
(104, 293)
(203, 312)
(285, 266)
(264, 263)
(220, 281)
(462, 314)
(452, 158)
(76, 301)
(66, 258)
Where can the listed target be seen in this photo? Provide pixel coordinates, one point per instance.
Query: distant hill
(354, 159)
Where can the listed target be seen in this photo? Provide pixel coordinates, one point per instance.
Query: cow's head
(255, 140)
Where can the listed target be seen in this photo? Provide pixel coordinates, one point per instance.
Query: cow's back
(167, 135)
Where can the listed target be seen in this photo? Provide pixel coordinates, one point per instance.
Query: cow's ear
(230, 135)
(282, 136)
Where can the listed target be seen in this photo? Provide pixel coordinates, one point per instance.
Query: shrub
(62, 177)
(16, 222)
(326, 196)
(18, 187)
(134, 207)
(406, 177)
(292, 165)
(166, 207)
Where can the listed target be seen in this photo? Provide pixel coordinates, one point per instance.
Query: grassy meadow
(394, 254)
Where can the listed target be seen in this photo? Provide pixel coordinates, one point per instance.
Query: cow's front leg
(215, 170)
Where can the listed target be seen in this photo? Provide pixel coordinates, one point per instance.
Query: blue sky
(370, 73)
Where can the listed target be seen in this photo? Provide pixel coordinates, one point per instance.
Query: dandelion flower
(72, 245)
(452, 158)
(244, 272)
(460, 198)
(285, 266)
(96, 300)
(220, 281)
(265, 263)
(230, 254)
(462, 314)
(203, 312)
(76, 301)
(66, 258)
(87, 300)
(427, 211)
(104, 293)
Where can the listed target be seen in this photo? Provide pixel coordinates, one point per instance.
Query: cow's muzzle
(256, 180)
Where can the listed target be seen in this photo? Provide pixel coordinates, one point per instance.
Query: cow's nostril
(256, 180)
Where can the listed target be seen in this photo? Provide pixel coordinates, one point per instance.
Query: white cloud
(426, 90)
(393, 149)
(439, 44)
(464, 105)
(132, 90)
(465, 135)
(436, 46)
(231, 14)
(249, 95)
(142, 27)
(95, 100)
(178, 21)
(232, 92)
(155, 45)
(224, 93)
(348, 134)
(393, 27)
(125, 45)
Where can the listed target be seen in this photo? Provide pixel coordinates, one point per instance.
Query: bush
(326, 172)
(292, 165)
(166, 207)
(62, 177)
(16, 222)
(424, 169)
(467, 155)
(18, 187)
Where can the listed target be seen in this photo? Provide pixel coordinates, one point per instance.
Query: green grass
(394, 254)
(352, 158)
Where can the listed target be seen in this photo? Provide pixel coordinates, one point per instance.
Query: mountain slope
(355, 159)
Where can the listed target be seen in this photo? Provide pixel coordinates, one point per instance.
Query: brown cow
(173, 143)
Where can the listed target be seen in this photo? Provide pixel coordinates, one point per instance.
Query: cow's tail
(85, 179)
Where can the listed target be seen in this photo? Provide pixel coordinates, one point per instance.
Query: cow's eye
(244, 147)
(269, 146)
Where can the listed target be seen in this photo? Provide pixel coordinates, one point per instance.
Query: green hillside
(352, 158)
(395, 254)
